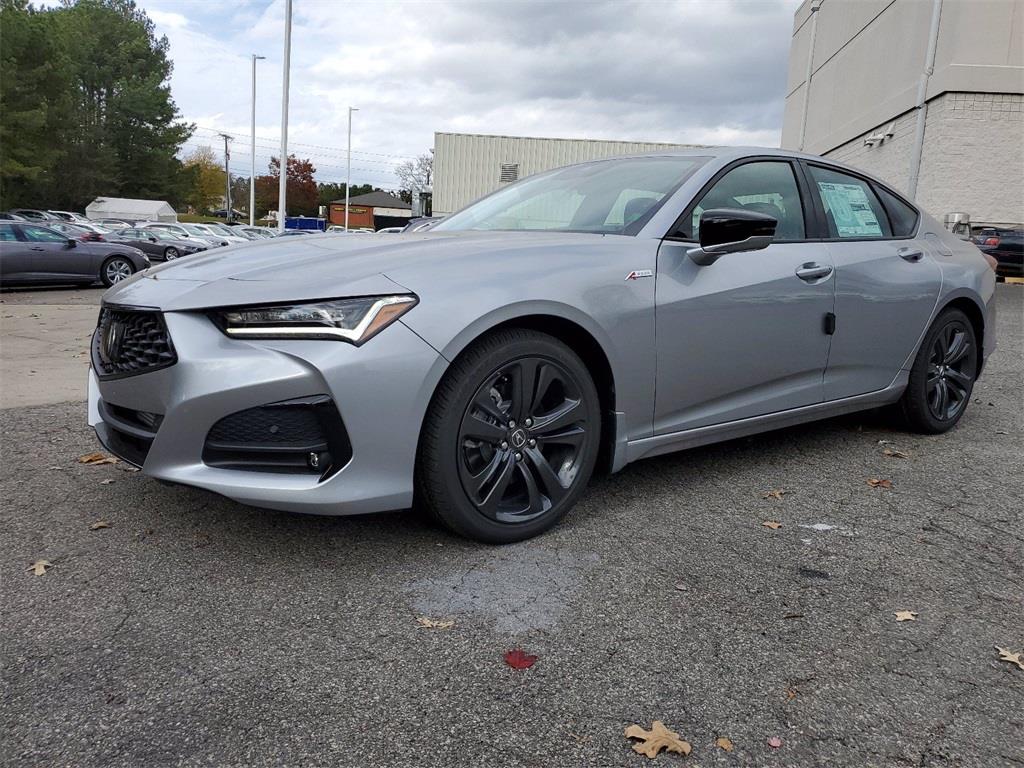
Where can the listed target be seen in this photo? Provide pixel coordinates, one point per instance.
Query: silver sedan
(574, 322)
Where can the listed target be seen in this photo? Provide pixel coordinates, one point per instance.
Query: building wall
(972, 160)
(468, 166)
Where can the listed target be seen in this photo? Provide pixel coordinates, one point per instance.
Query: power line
(318, 146)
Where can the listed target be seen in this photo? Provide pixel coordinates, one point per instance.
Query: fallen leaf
(906, 615)
(774, 742)
(518, 659)
(723, 742)
(39, 567)
(657, 739)
(106, 482)
(1012, 658)
(681, 587)
(93, 459)
(773, 524)
(885, 442)
(423, 621)
(777, 493)
(894, 454)
(99, 524)
(791, 692)
(876, 483)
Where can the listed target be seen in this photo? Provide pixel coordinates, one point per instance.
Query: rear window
(902, 216)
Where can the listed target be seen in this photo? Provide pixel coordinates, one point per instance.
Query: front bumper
(381, 391)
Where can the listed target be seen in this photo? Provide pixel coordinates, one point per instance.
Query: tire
(115, 269)
(489, 477)
(942, 376)
(171, 253)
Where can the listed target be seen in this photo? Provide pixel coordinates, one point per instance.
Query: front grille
(130, 341)
(305, 435)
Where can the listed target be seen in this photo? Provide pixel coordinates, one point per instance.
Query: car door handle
(812, 271)
(910, 254)
(37, 248)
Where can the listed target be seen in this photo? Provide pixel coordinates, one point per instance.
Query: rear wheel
(942, 377)
(171, 253)
(115, 269)
(511, 438)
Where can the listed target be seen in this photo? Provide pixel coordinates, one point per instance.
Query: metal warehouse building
(926, 94)
(469, 166)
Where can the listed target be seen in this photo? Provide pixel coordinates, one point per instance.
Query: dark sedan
(34, 254)
(1006, 246)
(157, 243)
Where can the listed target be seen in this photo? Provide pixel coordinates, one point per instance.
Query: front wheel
(942, 377)
(115, 269)
(511, 438)
(171, 253)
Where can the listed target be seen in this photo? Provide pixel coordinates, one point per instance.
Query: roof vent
(509, 173)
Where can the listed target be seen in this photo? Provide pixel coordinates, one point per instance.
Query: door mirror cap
(731, 230)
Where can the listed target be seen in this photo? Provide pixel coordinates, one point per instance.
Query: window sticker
(850, 209)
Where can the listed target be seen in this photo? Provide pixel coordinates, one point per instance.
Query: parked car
(390, 230)
(220, 230)
(34, 254)
(256, 233)
(291, 232)
(31, 214)
(74, 218)
(612, 310)
(8, 216)
(422, 224)
(187, 231)
(1006, 246)
(158, 244)
(76, 230)
(113, 223)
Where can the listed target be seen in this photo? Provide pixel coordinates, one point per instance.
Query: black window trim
(805, 193)
(819, 210)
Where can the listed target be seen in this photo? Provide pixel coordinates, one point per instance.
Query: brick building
(926, 94)
(374, 210)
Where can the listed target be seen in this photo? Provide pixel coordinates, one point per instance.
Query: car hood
(327, 266)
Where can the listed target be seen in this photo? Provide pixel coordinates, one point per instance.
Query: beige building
(926, 94)
(469, 166)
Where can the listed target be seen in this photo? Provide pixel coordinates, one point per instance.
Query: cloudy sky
(700, 71)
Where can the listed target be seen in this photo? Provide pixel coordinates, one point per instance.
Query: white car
(185, 230)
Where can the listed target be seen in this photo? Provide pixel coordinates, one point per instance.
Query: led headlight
(352, 320)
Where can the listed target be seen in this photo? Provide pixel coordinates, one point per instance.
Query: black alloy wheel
(510, 439)
(521, 439)
(942, 376)
(171, 253)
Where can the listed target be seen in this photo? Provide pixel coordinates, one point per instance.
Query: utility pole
(227, 175)
(348, 162)
(282, 187)
(252, 155)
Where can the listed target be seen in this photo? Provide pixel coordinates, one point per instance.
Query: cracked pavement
(196, 631)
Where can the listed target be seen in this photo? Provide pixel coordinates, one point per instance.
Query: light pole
(227, 175)
(282, 187)
(252, 170)
(348, 162)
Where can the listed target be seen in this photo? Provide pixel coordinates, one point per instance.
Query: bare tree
(416, 174)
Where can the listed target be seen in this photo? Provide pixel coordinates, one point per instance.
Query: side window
(764, 186)
(851, 207)
(902, 216)
(41, 235)
(7, 233)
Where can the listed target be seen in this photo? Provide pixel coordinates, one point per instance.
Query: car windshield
(195, 229)
(607, 197)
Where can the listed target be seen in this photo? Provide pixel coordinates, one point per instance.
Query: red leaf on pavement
(517, 659)
(774, 742)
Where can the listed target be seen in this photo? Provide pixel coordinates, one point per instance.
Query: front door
(745, 336)
(51, 257)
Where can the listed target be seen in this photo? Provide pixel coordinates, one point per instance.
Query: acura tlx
(577, 320)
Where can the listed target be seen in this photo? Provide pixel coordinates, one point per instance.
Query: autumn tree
(206, 180)
(303, 197)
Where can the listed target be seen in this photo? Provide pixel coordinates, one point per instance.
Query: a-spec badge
(636, 274)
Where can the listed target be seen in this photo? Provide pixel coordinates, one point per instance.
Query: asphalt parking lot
(194, 631)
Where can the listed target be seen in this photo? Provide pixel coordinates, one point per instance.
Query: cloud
(690, 72)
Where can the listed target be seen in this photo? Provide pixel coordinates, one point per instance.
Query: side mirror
(152, 239)
(72, 243)
(731, 230)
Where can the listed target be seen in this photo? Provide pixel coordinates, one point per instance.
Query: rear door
(887, 282)
(744, 336)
